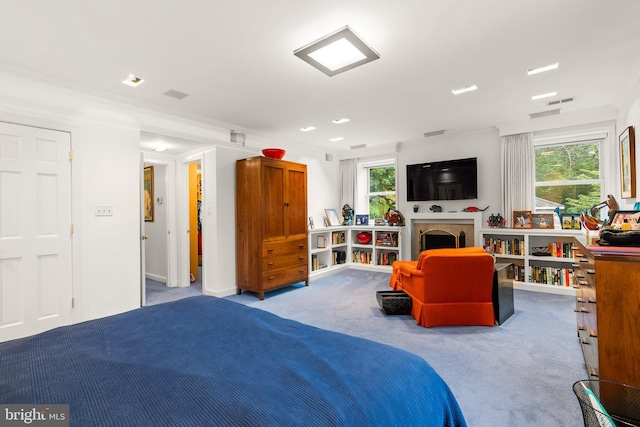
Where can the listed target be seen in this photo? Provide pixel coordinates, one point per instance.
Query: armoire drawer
(287, 247)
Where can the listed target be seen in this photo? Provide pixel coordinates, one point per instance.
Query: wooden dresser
(271, 224)
(608, 314)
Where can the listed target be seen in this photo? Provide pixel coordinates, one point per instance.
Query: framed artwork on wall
(628, 163)
(544, 221)
(521, 219)
(148, 193)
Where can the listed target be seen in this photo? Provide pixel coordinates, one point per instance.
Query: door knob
(144, 237)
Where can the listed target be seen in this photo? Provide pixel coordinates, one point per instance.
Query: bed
(209, 361)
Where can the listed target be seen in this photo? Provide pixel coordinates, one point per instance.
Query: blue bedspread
(208, 361)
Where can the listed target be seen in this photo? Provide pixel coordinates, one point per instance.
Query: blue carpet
(517, 374)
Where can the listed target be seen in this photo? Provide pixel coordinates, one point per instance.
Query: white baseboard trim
(155, 277)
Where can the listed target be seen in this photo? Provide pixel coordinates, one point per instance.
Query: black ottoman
(394, 302)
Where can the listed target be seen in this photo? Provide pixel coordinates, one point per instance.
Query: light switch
(104, 210)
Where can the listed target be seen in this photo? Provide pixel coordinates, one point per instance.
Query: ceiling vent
(560, 101)
(544, 113)
(355, 147)
(176, 94)
(434, 133)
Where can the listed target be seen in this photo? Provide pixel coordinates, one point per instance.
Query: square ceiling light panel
(337, 52)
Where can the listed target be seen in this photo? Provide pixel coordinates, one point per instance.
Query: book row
(516, 247)
(544, 275)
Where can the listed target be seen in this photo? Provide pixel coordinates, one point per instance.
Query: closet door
(35, 230)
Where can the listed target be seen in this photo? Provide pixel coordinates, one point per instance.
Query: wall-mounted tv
(445, 180)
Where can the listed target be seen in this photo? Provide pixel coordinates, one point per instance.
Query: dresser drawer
(283, 276)
(276, 262)
(288, 247)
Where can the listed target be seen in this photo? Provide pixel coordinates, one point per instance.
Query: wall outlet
(104, 210)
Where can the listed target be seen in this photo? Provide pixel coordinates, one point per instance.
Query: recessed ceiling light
(544, 95)
(542, 69)
(307, 129)
(336, 139)
(160, 148)
(464, 89)
(340, 121)
(132, 80)
(337, 52)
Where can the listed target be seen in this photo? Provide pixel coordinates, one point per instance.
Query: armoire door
(273, 201)
(296, 202)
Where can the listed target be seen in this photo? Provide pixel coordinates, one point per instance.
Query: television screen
(446, 180)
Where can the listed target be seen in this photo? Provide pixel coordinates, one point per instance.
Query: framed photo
(571, 222)
(628, 163)
(620, 216)
(521, 219)
(541, 220)
(332, 217)
(362, 219)
(148, 193)
(322, 242)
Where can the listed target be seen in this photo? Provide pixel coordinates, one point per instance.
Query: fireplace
(447, 229)
(434, 238)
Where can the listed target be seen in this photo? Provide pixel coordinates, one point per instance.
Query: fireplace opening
(437, 239)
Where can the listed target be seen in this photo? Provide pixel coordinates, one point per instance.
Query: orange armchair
(448, 286)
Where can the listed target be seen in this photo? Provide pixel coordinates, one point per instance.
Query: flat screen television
(445, 180)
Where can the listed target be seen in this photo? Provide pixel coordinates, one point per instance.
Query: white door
(35, 230)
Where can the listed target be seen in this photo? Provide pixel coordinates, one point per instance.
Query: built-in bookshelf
(543, 259)
(338, 247)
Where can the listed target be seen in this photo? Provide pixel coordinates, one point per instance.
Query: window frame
(364, 183)
(599, 137)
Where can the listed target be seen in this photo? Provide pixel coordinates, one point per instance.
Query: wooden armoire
(271, 224)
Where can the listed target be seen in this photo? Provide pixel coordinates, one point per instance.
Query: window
(568, 175)
(380, 185)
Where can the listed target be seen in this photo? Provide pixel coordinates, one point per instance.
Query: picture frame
(620, 216)
(148, 193)
(362, 219)
(542, 221)
(321, 242)
(570, 222)
(332, 217)
(521, 219)
(628, 163)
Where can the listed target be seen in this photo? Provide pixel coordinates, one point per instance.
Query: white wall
(630, 116)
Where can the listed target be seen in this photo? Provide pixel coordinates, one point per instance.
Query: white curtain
(349, 171)
(517, 157)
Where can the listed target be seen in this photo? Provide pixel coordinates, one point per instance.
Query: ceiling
(235, 60)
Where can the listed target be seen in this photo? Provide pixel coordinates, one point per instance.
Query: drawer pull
(270, 263)
(270, 250)
(301, 246)
(270, 278)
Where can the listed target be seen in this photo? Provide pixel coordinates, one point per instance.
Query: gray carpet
(158, 292)
(516, 374)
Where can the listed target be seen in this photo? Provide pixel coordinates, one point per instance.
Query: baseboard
(161, 279)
